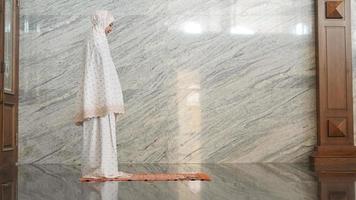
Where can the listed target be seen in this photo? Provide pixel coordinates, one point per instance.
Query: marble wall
(205, 81)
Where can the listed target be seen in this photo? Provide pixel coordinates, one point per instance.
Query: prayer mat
(153, 177)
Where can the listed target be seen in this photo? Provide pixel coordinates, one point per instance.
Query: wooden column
(335, 148)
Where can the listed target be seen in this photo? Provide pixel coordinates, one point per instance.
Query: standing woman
(100, 100)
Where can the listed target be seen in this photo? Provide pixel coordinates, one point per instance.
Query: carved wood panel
(335, 109)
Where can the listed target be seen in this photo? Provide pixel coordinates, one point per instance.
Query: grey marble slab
(78, 7)
(203, 81)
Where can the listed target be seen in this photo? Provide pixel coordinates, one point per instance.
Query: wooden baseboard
(334, 158)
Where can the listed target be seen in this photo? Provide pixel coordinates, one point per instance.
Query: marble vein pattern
(206, 81)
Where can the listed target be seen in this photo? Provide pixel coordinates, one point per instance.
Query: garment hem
(80, 118)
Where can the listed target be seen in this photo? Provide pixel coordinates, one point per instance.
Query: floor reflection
(229, 181)
(336, 186)
(106, 190)
(8, 183)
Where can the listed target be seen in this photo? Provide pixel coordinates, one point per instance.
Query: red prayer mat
(153, 177)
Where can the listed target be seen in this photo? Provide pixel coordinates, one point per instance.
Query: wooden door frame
(10, 96)
(16, 40)
(335, 149)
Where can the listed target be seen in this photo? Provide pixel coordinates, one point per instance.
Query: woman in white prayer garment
(100, 100)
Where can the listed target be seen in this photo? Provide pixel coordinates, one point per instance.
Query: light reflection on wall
(236, 28)
(189, 115)
(187, 141)
(35, 27)
(192, 27)
(242, 24)
(211, 24)
(38, 28)
(26, 26)
(301, 29)
(241, 30)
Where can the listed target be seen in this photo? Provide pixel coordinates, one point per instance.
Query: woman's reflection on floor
(100, 191)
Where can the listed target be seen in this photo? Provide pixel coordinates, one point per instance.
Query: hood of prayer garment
(100, 89)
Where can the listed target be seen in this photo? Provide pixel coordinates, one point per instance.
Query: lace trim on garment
(97, 112)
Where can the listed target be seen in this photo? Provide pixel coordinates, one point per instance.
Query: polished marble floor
(229, 181)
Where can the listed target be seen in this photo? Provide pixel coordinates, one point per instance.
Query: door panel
(8, 81)
(8, 47)
(9, 127)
